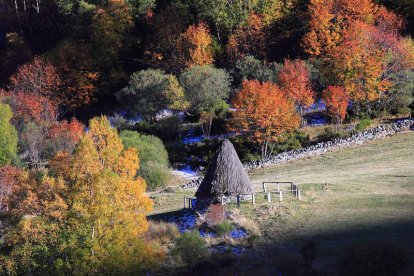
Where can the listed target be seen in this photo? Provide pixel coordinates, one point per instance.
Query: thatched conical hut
(225, 176)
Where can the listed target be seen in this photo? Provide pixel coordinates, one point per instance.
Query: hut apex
(225, 176)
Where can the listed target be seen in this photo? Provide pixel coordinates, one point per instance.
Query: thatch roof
(225, 175)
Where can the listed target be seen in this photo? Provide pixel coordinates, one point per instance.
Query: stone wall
(322, 148)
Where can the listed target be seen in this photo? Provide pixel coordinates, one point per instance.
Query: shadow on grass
(383, 249)
(331, 248)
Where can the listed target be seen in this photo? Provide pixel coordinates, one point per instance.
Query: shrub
(224, 228)
(153, 157)
(296, 141)
(163, 232)
(363, 124)
(191, 248)
(373, 258)
(155, 174)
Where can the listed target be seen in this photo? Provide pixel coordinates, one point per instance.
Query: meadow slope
(349, 196)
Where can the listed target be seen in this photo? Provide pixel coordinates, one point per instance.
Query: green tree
(250, 68)
(154, 157)
(8, 136)
(150, 91)
(206, 89)
(401, 94)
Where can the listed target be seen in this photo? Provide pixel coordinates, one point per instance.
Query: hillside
(356, 194)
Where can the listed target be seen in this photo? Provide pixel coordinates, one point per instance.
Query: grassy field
(356, 194)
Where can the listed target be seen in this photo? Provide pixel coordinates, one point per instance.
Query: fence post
(298, 194)
(280, 196)
(269, 197)
(238, 200)
(264, 187)
(222, 200)
(190, 205)
(296, 191)
(253, 199)
(278, 188)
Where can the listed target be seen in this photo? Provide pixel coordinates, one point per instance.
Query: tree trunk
(302, 113)
(264, 149)
(210, 123)
(18, 16)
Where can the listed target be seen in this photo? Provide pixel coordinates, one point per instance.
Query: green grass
(355, 194)
(366, 192)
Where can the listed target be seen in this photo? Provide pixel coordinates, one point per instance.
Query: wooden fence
(294, 189)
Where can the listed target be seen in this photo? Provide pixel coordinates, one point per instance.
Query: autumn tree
(336, 100)
(248, 40)
(359, 46)
(324, 27)
(166, 49)
(78, 74)
(199, 42)
(8, 136)
(37, 77)
(294, 79)
(358, 65)
(92, 211)
(150, 91)
(41, 134)
(263, 114)
(206, 89)
(109, 196)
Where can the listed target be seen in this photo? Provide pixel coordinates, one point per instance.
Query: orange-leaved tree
(359, 65)
(295, 82)
(199, 42)
(248, 40)
(324, 27)
(336, 100)
(263, 114)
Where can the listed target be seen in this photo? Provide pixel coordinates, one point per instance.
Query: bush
(373, 258)
(363, 124)
(153, 157)
(191, 248)
(224, 228)
(296, 141)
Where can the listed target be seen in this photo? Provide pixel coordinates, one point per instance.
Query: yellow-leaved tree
(109, 197)
(86, 216)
